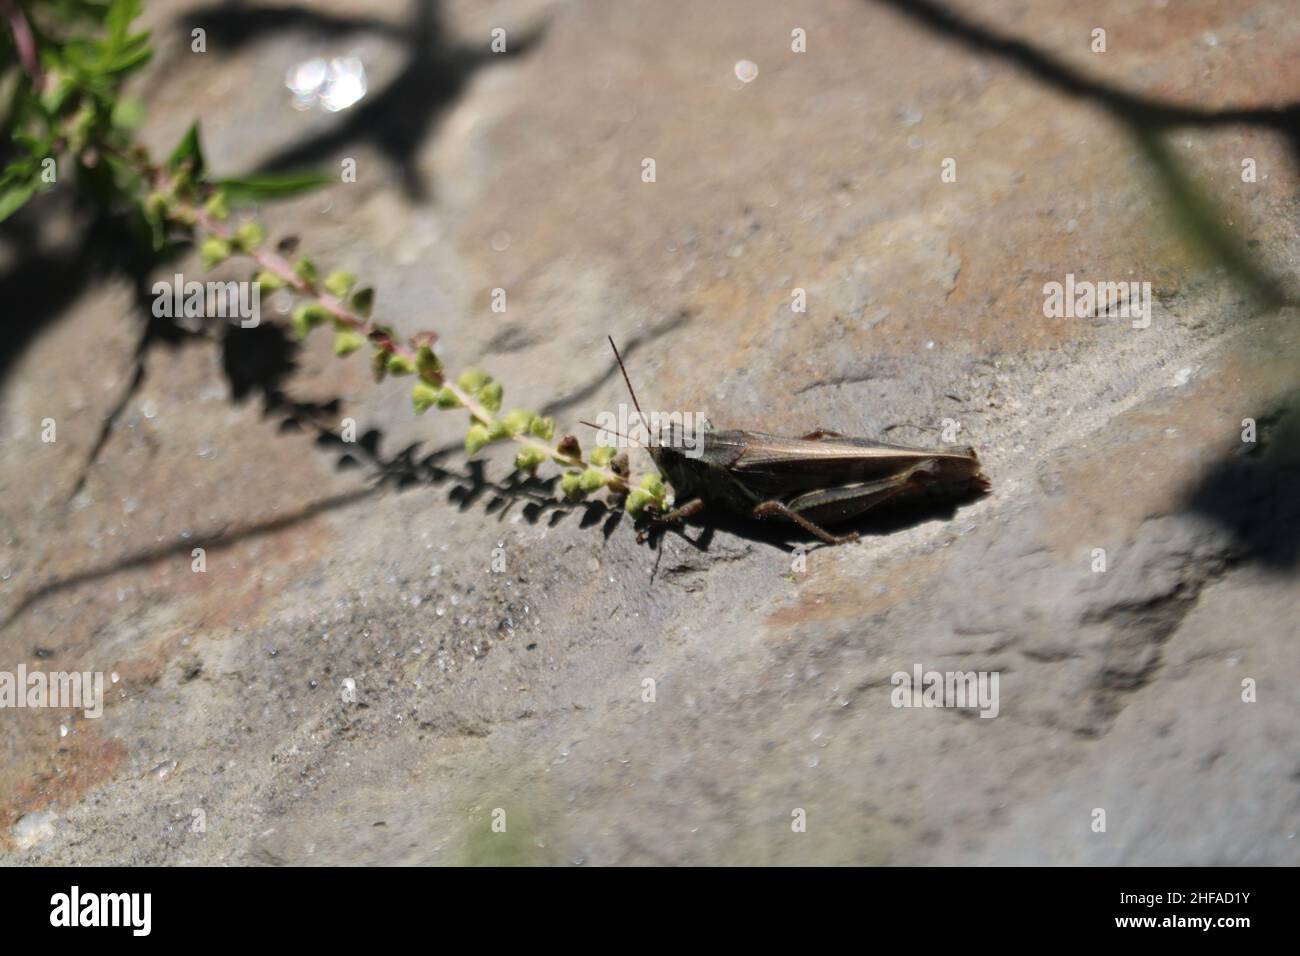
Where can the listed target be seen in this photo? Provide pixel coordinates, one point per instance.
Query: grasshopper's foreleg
(677, 515)
(688, 510)
(768, 508)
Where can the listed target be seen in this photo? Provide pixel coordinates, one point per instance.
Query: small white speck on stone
(34, 828)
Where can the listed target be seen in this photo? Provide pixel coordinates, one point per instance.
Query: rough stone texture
(1120, 690)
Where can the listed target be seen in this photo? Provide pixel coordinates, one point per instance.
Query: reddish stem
(24, 40)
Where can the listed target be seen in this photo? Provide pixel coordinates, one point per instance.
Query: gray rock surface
(1120, 690)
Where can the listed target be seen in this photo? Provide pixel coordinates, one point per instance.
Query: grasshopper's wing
(776, 467)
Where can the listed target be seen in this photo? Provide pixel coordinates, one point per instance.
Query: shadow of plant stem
(1145, 119)
(400, 471)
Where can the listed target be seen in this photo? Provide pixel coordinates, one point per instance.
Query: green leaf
(490, 396)
(591, 480)
(346, 341)
(475, 438)
(472, 379)
(638, 499)
(13, 197)
(307, 316)
(214, 251)
(128, 113)
(571, 484)
(400, 365)
(250, 235)
(269, 281)
(654, 485)
(543, 428)
(259, 186)
(529, 459)
(217, 207)
(190, 149)
(423, 396)
(339, 283)
(363, 300)
(517, 421)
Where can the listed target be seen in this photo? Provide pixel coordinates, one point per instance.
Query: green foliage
(188, 153)
(339, 283)
(264, 186)
(66, 114)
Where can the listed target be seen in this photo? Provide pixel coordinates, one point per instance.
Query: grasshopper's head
(955, 471)
(685, 455)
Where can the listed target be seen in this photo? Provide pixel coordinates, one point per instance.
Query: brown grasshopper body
(820, 479)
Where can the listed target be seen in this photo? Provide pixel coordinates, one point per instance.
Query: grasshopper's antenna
(612, 431)
(631, 391)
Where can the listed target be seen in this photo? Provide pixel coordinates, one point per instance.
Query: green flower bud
(476, 438)
(347, 341)
(155, 204)
(517, 421)
(340, 283)
(305, 270)
(400, 365)
(529, 459)
(447, 398)
(655, 485)
(217, 207)
(307, 316)
(379, 363)
(269, 281)
(214, 251)
(591, 480)
(571, 484)
(543, 428)
(490, 396)
(423, 396)
(250, 235)
(602, 455)
(498, 430)
(637, 500)
(471, 380)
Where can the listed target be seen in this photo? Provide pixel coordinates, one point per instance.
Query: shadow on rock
(1252, 491)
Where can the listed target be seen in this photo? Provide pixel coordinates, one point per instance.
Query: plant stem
(280, 267)
(24, 41)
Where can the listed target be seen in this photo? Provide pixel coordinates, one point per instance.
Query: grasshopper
(819, 479)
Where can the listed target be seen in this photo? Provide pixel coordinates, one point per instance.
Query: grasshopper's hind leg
(766, 509)
(841, 503)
